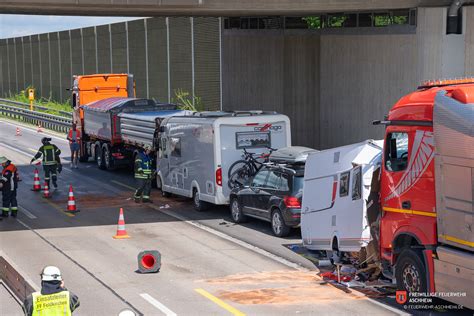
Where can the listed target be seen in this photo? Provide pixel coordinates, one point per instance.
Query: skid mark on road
(285, 276)
(277, 287)
(219, 302)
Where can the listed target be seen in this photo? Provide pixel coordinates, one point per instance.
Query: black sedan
(274, 195)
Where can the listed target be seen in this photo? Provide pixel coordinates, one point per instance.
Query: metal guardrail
(20, 287)
(38, 107)
(53, 122)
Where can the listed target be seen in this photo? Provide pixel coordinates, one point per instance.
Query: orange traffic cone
(18, 132)
(71, 201)
(121, 232)
(36, 182)
(40, 130)
(46, 191)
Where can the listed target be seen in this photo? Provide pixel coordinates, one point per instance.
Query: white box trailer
(337, 185)
(197, 151)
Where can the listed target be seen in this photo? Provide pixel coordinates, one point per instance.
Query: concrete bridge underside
(204, 7)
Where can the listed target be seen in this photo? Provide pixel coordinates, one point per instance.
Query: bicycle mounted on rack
(241, 171)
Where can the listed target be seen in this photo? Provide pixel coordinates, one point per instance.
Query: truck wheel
(410, 272)
(108, 159)
(198, 204)
(99, 157)
(280, 229)
(236, 211)
(159, 186)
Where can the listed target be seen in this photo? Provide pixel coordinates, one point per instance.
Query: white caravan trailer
(197, 151)
(337, 184)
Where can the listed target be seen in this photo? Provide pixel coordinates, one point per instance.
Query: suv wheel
(280, 229)
(198, 204)
(236, 211)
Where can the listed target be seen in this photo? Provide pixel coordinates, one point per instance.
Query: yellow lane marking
(33, 150)
(411, 212)
(58, 208)
(123, 185)
(222, 304)
(457, 240)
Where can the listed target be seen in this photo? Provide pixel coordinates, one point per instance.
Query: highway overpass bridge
(204, 7)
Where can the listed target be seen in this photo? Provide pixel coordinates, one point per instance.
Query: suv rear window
(298, 184)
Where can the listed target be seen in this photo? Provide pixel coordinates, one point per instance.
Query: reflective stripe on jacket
(50, 154)
(56, 304)
(143, 168)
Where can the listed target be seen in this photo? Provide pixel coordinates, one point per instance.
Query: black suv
(274, 195)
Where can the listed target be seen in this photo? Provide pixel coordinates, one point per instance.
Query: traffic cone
(18, 132)
(40, 130)
(71, 201)
(36, 182)
(46, 191)
(121, 232)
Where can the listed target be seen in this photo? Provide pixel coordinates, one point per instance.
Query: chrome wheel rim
(411, 278)
(235, 210)
(276, 221)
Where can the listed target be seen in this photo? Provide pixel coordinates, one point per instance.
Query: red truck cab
(408, 224)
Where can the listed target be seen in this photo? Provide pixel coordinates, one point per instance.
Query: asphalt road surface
(210, 266)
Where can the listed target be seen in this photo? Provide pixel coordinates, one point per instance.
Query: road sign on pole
(31, 97)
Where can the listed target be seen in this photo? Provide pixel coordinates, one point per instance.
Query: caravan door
(163, 160)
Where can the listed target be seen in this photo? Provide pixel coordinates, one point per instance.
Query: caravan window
(175, 146)
(396, 152)
(357, 183)
(252, 140)
(344, 184)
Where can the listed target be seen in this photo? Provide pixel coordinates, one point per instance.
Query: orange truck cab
(90, 88)
(426, 195)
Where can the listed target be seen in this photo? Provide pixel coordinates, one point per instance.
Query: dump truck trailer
(114, 129)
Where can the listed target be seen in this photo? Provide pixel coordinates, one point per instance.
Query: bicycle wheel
(240, 177)
(237, 165)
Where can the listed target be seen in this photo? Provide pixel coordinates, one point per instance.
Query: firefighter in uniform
(54, 299)
(51, 161)
(9, 184)
(143, 174)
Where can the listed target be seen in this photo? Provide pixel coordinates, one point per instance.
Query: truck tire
(159, 186)
(83, 155)
(99, 157)
(279, 228)
(410, 272)
(199, 205)
(108, 159)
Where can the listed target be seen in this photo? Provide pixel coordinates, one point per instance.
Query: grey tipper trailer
(453, 125)
(196, 151)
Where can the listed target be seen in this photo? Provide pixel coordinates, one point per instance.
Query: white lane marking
(16, 149)
(235, 241)
(157, 304)
(27, 213)
(34, 131)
